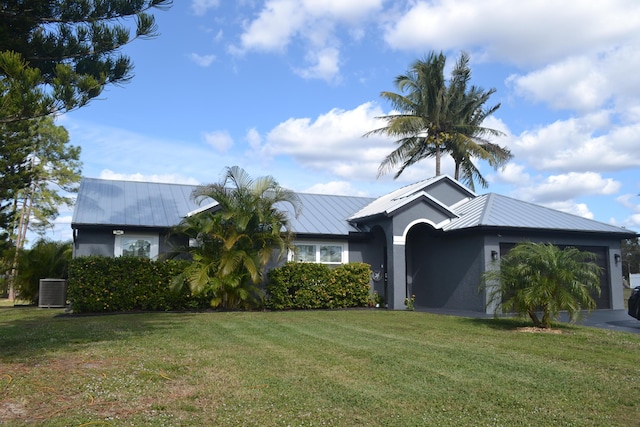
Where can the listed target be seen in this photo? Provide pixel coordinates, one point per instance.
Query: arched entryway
(420, 257)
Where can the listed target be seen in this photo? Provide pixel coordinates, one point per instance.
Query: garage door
(604, 299)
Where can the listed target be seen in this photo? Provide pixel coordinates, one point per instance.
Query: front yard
(341, 368)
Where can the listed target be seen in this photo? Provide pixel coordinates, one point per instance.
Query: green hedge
(306, 286)
(102, 284)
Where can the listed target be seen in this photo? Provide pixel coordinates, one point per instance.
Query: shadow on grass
(27, 332)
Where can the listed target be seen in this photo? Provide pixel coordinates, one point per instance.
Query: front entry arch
(420, 254)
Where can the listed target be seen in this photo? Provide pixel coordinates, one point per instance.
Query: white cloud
(339, 188)
(202, 60)
(220, 140)
(325, 65)
(564, 188)
(585, 82)
(164, 178)
(512, 173)
(254, 139)
(312, 22)
(333, 142)
(571, 207)
(589, 143)
(200, 7)
(277, 23)
(531, 33)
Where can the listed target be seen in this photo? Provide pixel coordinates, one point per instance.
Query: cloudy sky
(288, 87)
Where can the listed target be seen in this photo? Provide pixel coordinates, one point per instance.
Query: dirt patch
(534, 330)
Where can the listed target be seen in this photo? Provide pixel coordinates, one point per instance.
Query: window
(324, 253)
(137, 245)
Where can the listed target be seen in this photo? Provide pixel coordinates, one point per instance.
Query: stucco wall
(444, 272)
(608, 247)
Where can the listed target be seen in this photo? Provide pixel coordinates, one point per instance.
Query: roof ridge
(486, 209)
(138, 182)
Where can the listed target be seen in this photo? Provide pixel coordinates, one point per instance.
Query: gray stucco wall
(610, 245)
(444, 272)
(101, 241)
(447, 193)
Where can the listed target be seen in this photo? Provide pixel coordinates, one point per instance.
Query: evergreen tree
(57, 55)
(49, 174)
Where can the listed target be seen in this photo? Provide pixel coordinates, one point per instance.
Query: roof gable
(441, 190)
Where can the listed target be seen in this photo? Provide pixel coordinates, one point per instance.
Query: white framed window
(320, 252)
(137, 245)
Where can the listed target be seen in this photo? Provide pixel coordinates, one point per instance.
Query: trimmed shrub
(313, 286)
(102, 284)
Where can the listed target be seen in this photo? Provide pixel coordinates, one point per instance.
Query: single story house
(432, 239)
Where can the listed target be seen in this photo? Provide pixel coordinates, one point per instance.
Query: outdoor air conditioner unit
(52, 293)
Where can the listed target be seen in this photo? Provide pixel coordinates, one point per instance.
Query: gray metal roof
(145, 204)
(389, 203)
(131, 203)
(325, 214)
(495, 210)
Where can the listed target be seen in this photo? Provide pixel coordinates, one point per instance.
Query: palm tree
(435, 119)
(419, 123)
(469, 136)
(538, 278)
(236, 240)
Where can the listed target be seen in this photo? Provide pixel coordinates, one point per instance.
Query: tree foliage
(45, 259)
(57, 55)
(236, 239)
(435, 118)
(630, 256)
(42, 174)
(15, 173)
(534, 279)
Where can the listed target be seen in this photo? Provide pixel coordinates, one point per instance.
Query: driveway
(615, 320)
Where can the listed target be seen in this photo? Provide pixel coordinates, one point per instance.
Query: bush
(47, 259)
(102, 284)
(313, 286)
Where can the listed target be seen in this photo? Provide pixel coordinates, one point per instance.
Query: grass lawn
(310, 368)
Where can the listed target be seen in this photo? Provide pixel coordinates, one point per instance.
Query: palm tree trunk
(438, 155)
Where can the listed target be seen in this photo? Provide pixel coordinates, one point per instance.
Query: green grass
(340, 368)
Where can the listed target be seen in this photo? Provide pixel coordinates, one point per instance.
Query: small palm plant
(237, 238)
(541, 279)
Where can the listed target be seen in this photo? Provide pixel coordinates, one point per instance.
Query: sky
(288, 88)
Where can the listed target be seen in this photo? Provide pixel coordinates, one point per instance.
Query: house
(432, 239)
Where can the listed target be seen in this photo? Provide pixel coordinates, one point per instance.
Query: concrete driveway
(615, 320)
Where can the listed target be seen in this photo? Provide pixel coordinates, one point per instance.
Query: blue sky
(288, 87)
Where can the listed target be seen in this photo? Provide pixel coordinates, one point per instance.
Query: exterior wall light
(494, 255)
(118, 232)
(616, 258)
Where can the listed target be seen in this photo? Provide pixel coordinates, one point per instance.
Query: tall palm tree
(534, 279)
(469, 136)
(236, 240)
(419, 123)
(434, 118)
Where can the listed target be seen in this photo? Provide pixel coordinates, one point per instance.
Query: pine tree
(57, 55)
